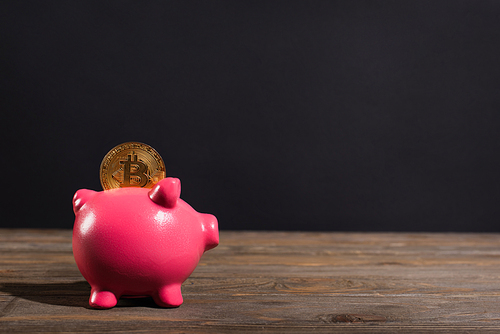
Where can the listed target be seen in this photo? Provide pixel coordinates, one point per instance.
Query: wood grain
(271, 282)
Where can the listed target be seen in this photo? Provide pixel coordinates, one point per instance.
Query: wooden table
(271, 282)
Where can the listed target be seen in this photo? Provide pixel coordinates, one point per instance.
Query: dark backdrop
(283, 115)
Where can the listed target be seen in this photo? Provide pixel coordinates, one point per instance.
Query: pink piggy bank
(139, 242)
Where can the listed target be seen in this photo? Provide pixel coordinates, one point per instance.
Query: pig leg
(102, 299)
(169, 296)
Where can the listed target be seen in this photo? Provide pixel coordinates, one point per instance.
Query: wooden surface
(271, 282)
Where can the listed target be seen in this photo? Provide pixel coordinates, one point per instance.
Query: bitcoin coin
(131, 164)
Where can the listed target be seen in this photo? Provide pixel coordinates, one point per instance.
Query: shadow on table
(73, 294)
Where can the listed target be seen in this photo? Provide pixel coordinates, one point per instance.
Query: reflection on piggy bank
(139, 242)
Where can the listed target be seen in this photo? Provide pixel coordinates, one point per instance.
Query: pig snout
(211, 231)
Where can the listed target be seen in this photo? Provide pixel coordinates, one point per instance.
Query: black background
(282, 115)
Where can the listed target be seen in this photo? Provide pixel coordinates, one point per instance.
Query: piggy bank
(135, 242)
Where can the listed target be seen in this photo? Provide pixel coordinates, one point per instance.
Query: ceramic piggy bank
(139, 242)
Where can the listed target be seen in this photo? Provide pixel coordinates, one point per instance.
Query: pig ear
(81, 197)
(166, 192)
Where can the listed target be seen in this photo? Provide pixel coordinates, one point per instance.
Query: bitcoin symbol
(139, 172)
(131, 164)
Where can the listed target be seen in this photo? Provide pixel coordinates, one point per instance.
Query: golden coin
(131, 164)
